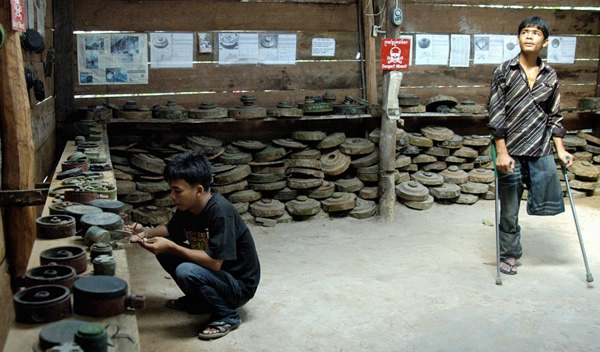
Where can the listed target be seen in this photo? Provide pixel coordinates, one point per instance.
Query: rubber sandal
(178, 304)
(512, 270)
(223, 327)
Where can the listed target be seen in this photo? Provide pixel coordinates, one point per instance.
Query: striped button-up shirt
(526, 118)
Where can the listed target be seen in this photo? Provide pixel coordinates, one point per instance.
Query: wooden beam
(370, 53)
(64, 85)
(23, 198)
(17, 147)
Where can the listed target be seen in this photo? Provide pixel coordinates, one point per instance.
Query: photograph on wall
(511, 47)
(432, 49)
(205, 40)
(256, 49)
(488, 49)
(277, 49)
(561, 50)
(171, 50)
(112, 58)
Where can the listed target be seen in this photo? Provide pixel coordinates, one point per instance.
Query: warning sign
(395, 54)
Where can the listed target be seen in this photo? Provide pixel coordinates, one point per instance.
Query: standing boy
(218, 268)
(525, 119)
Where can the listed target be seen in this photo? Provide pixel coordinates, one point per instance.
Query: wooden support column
(64, 85)
(370, 53)
(18, 153)
(387, 141)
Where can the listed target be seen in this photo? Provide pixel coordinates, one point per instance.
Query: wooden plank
(227, 99)
(17, 145)
(524, 3)
(22, 198)
(45, 157)
(43, 122)
(199, 16)
(314, 75)
(64, 81)
(476, 20)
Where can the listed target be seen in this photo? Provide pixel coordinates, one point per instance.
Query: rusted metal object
(411, 150)
(152, 215)
(137, 197)
(270, 153)
(434, 103)
(267, 208)
(427, 178)
(367, 160)
(80, 196)
(435, 166)
(83, 164)
(476, 141)
(350, 185)
(454, 175)
(56, 226)
(170, 111)
(103, 296)
(153, 187)
(572, 142)
(335, 163)
(286, 194)
(306, 154)
(445, 191)
(369, 192)
(437, 152)
(466, 152)
(266, 178)
(589, 138)
(408, 100)
(418, 140)
(246, 196)
(104, 265)
(58, 207)
(241, 207)
(208, 110)
(402, 161)
(481, 175)
(247, 111)
(302, 172)
(268, 186)
(332, 140)
(437, 133)
(325, 190)
(96, 234)
(220, 167)
(466, 199)
(419, 205)
(72, 256)
(368, 173)
(305, 163)
(289, 143)
(249, 144)
(423, 159)
(42, 304)
(364, 209)
(412, 190)
(474, 188)
(400, 177)
(304, 183)
(585, 170)
(234, 156)
(149, 163)
(239, 173)
(285, 109)
(338, 202)
(125, 187)
(102, 189)
(357, 146)
(316, 106)
(303, 206)
(347, 108)
(309, 136)
(62, 275)
(225, 189)
(108, 205)
(203, 144)
(132, 111)
(268, 167)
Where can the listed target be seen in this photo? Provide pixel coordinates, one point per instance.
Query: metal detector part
(589, 277)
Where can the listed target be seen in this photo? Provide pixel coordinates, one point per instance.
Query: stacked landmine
(444, 167)
(312, 174)
(584, 174)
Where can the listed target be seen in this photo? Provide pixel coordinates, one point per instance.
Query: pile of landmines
(314, 174)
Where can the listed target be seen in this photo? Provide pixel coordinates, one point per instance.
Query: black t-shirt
(221, 232)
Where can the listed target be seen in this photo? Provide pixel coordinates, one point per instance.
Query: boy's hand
(566, 158)
(157, 245)
(505, 163)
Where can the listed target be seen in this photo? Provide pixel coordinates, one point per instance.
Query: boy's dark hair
(535, 21)
(192, 167)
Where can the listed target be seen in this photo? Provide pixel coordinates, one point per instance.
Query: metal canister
(104, 265)
(92, 338)
(100, 248)
(41, 304)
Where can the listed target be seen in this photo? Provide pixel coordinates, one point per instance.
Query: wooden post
(370, 54)
(64, 86)
(18, 151)
(387, 141)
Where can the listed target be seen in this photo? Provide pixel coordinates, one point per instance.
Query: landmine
(247, 111)
(284, 109)
(209, 111)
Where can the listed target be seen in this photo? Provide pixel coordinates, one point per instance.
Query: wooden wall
(329, 19)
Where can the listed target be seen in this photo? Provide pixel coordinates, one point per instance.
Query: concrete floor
(423, 282)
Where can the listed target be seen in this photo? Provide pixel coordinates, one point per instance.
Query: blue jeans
(215, 291)
(544, 197)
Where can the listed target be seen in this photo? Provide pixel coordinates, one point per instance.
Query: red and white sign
(17, 11)
(395, 54)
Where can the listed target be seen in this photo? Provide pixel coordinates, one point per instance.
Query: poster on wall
(106, 58)
(488, 49)
(460, 50)
(171, 50)
(323, 47)
(256, 48)
(561, 50)
(432, 49)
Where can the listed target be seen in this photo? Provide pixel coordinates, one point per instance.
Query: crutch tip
(499, 282)
(590, 278)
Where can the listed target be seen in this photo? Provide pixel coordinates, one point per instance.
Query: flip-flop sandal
(223, 327)
(512, 270)
(178, 304)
